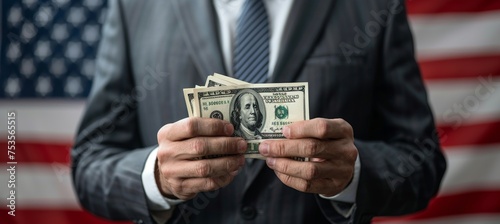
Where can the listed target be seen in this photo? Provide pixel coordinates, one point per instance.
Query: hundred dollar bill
(189, 99)
(212, 81)
(222, 80)
(257, 111)
(218, 76)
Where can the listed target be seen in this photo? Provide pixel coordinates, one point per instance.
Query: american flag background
(47, 52)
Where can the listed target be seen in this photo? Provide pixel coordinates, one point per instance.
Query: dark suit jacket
(358, 58)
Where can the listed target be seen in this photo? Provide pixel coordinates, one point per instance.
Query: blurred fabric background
(47, 52)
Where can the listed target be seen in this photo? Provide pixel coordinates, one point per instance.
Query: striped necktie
(251, 52)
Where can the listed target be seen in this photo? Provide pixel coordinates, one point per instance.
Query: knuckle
(162, 152)
(159, 134)
(212, 184)
(166, 172)
(163, 133)
(203, 169)
(198, 146)
(191, 127)
(231, 164)
(287, 179)
(304, 186)
(282, 167)
(280, 148)
(352, 153)
(311, 172)
(216, 126)
(226, 145)
(176, 186)
(182, 184)
(338, 185)
(339, 121)
(311, 148)
(322, 127)
(345, 127)
(165, 151)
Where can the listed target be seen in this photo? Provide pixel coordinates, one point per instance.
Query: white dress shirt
(228, 12)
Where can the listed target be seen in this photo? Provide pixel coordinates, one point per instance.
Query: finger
(318, 186)
(298, 148)
(206, 146)
(319, 128)
(203, 168)
(195, 185)
(193, 127)
(302, 170)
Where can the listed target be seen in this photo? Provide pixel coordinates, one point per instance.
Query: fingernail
(286, 131)
(264, 149)
(228, 129)
(242, 146)
(270, 161)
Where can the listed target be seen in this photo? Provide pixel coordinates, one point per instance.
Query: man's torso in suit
(356, 63)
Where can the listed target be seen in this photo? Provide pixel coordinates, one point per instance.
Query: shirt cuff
(348, 195)
(344, 202)
(155, 199)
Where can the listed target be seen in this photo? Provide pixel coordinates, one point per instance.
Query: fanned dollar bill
(189, 99)
(212, 81)
(257, 111)
(273, 106)
(222, 80)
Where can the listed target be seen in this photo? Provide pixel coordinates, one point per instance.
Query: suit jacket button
(248, 213)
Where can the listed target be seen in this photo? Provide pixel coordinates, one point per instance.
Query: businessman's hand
(183, 167)
(330, 145)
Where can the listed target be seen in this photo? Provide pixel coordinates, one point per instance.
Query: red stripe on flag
(469, 134)
(467, 67)
(51, 216)
(35, 152)
(451, 6)
(474, 202)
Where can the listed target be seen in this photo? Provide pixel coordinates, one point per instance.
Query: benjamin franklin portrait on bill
(246, 115)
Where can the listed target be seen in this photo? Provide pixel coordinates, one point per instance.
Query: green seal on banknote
(281, 112)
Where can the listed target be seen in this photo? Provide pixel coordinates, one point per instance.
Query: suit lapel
(305, 23)
(198, 22)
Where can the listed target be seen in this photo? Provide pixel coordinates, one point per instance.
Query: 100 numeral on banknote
(257, 111)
